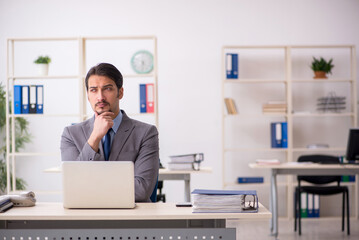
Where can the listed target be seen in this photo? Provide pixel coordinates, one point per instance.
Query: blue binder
(39, 99)
(25, 100)
(17, 99)
(284, 135)
(316, 206)
(143, 108)
(310, 205)
(232, 65)
(276, 135)
(250, 179)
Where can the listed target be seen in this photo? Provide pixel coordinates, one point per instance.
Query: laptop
(98, 184)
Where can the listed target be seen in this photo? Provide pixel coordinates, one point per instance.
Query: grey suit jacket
(134, 141)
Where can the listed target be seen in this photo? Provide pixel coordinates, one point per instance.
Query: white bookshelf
(70, 63)
(287, 75)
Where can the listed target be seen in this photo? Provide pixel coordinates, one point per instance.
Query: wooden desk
(146, 221)
(165, 174)
(300, 169)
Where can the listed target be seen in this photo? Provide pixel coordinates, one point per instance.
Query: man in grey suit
(110, 135)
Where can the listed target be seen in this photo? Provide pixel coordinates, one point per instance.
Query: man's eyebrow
(108, 85)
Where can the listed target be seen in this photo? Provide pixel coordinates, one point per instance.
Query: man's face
(103, 94)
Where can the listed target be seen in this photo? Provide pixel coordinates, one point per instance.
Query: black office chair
(320, 190)
(157, 194)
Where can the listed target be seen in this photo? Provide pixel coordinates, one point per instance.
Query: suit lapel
(121, 136)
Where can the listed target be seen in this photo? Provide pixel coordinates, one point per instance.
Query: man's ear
(120, 93)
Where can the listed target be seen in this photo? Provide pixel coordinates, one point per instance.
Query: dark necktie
(107, 144)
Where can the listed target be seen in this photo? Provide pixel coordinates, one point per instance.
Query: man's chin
(99, 112)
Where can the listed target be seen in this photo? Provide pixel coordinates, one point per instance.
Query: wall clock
(142, 62)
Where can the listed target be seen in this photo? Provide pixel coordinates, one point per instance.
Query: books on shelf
(347, 178)
(147, 98)
(310, 205)
(28, 99)
(230, 106)
(186, 161)
(267, 161)
(279, 135)
(232, 65)
(274, 107)
(250, 179)
(224, 201)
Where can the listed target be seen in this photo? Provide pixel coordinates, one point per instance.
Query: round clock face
(142, 62)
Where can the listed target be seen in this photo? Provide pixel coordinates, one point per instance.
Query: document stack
(5, 203)
(186, 162)
(274, 107)
(224, 201)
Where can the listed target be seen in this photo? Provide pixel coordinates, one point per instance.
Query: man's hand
(102, 124)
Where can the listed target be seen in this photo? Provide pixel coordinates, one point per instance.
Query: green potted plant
(22, 136)
(43, 64)
(321, 67)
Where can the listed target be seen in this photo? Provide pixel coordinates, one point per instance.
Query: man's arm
(74, 147)
(147, 165)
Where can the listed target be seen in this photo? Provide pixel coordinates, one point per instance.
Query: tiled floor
(312, 229)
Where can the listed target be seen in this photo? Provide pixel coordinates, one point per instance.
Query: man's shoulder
(77, 126)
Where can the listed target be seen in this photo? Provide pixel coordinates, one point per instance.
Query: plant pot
(43, 69)
(320, 74)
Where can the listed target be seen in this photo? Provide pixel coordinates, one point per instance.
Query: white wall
(190, 36)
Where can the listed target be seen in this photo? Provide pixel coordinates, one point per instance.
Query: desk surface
(295, 165)
(161, 170)
(143, 211)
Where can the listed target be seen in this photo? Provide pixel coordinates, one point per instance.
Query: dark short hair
(107, 70)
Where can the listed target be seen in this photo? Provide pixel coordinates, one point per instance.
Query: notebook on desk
(102, 184)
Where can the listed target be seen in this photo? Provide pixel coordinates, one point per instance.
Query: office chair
(157, 195)
(320, 190)
(154, 193)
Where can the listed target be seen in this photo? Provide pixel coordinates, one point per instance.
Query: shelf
(323, 115)
(321, 80)
(44, 115)
(19, 154)
(255, 149)
(255, 81)
(138, 75)
(343, 149)
(44, 77)
(255, 115)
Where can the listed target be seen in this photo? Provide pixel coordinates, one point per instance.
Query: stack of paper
(224, 201)
(274, 107)
(186, 162)
(5, 203)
